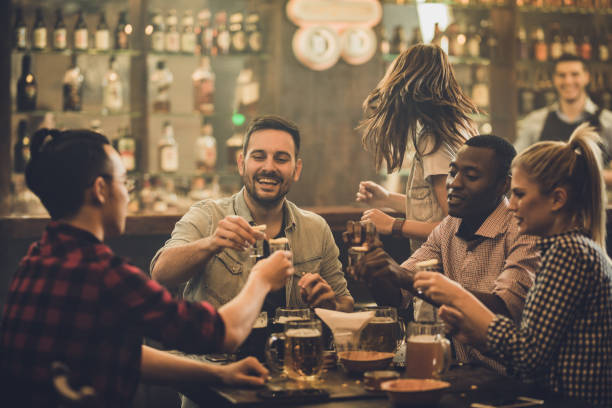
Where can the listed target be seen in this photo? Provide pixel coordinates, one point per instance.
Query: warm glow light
(429, 14)
(149, 29)
(128, 29)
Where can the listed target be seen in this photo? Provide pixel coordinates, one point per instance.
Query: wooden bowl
(414, 391)
(359, 361)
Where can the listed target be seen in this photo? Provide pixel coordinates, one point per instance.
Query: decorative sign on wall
(330, 29)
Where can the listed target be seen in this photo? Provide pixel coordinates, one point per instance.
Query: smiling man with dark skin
(477, 244)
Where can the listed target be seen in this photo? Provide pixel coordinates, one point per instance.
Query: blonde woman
(564, 340)
(417, 108)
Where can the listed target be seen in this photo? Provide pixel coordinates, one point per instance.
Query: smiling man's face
(473, 185)
(570, 79)
(270, 167)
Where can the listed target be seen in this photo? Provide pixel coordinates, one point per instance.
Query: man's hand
(361, 233)
(248, 371)
(376, 265)
(316, 292)
(274, 270)
(466, 330)
(382, 221)
(439, 288)
(372, 194)
(233, 232)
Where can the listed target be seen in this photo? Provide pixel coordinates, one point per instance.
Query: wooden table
(469, 384)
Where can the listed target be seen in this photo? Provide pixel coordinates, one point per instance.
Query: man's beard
(249, 184)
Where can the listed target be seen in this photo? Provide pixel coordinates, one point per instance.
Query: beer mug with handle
(275, 346)
(428, 353)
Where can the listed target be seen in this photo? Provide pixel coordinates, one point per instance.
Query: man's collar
(589, 107)
(242, 209)
(491, 226)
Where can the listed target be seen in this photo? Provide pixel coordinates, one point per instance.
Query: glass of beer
(383, 332)
(275, 346)
(255, 343)
(303, 350)
(428, 352)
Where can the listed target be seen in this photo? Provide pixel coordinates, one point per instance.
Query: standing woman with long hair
(417, 108)
(564, 339)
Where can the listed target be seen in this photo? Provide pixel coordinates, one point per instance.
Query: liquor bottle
(522, 46)
(188, 36)
(556, 46)
(206, 149)
(27, 90)
(73, 87)
(20, 31)
(540, 50)
(173, 38)
(81, 35)
(385, 45)
(452, 31)
(253, 33)
(102, 37)
(203, 80)
(398, 40)
(222, 38)
(123, 30)
(480, 89)
(39, 32)
(585, 49)
(60, 34)
(112, 89)
(473, 41)
(603, 52)
(161, 80)
(569, 45)
(417, 38)
(157, 33)
(238, 43)
(126, 147)
(168, 150)
(21, 151)
(206, 34)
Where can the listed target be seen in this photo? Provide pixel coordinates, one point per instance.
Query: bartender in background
(557, 122)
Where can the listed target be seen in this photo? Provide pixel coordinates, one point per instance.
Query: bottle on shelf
(39, 32)
(158, 40)
(385, 44)
(102, 37)
(222, 37)
(480, 89)
(206, 149)
(123, 30)
(398, 40)
(238, 42)
(27, 89)
(173, 38)
(540, 50)
(205, 32)
(556, 46)
(60, 34)
(253, 33)
(168, 150)
(112, 89)
(585, 48)
(474, 39)
(603, 52)
(161, 80)
(417, 38)
(126, 147)
(203, 79)
(522, 46)
(73, 87)
(21, 150)
(188, 36)
(81, 34)
(569, 45)
(20, 31)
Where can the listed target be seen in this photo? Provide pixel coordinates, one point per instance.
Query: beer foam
(304, 332)
(423, 338)
(382, 319)
(285, 319)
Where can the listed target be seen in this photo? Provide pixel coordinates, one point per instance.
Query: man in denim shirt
(207, 249)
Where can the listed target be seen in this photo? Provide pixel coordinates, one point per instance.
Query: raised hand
(316, 292)
(372, 194)
(234, 232)
(382, 221)
(275, 269)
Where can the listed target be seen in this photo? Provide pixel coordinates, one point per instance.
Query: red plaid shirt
(74, 301)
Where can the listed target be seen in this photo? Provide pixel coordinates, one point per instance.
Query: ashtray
(414, 391)
(373, 379)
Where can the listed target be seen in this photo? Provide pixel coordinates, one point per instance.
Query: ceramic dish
(361, 360)
(414, 391)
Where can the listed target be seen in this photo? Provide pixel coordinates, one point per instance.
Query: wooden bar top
(22, 227)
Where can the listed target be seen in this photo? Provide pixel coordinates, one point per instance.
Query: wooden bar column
(139, 124)
(5, 105)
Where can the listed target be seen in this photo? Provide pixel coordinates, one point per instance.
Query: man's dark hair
(504, 151)
(63, 164)
(272, 122)
(570, 58)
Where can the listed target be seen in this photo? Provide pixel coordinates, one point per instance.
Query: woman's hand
(382, 221)
(439, 288)
(372, 194)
